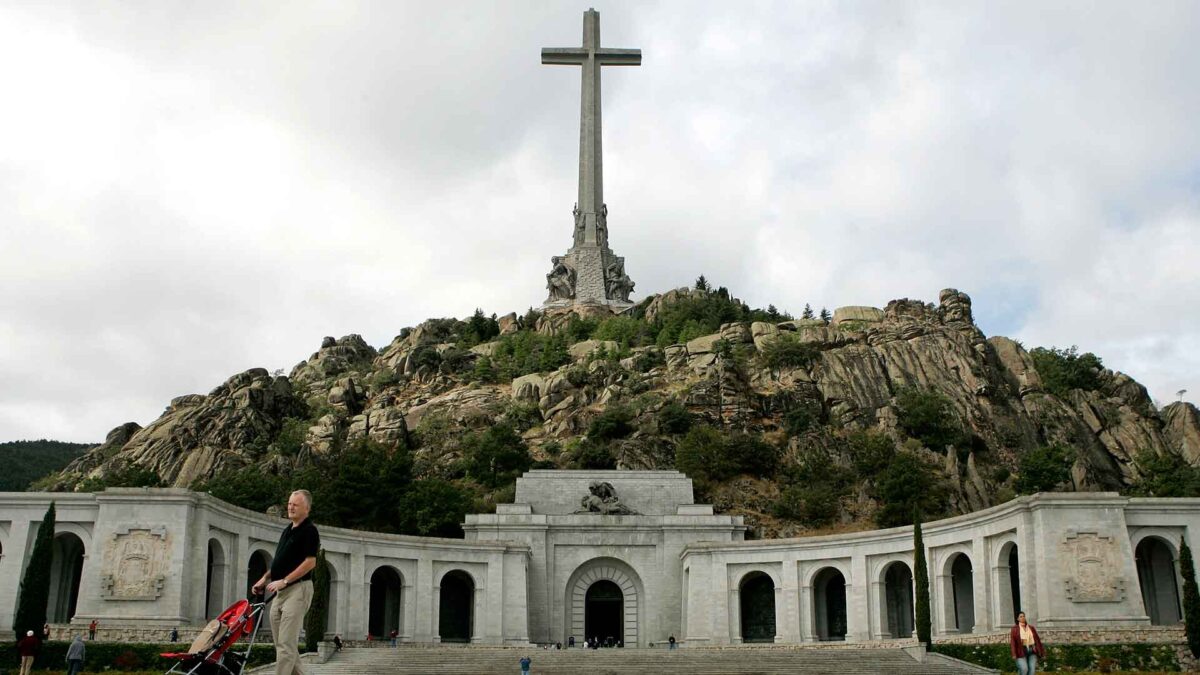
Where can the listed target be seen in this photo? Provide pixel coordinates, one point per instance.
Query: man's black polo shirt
(295, 544)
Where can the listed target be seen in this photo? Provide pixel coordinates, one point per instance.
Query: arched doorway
(962, 593)
(604, 612)
(576, 592)
(260, 562)
(456, 607)
(1009, 583)
(757, 595)
(65, 572)
(898, 600)
(214, 581)
(1156, 576)
(384, 611)
(829, 604)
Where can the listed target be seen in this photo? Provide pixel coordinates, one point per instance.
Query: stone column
(878, 601)
(409, 609)
(358, 595)
(788, 619)
(981, 554)
(858, 608)
(734, 612)
(427, 602)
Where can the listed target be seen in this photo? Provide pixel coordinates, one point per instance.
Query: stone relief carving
(579, 222)
(603, 500)
(135, 563)
(561, 280)
(617, 285)
(1091, 569)
(602, 226)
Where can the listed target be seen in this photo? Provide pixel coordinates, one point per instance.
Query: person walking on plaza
(46, 633)
(671, 642)
(174, 635)
(525, 662)
(290, 578)
(394, 635)
(92, 630)
(75, 656)
(28, 648)
(1026, 646)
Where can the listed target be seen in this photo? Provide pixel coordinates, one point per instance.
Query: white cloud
(186, 192)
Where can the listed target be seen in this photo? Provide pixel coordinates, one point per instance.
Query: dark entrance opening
(65, 573)
(758, 608)
(1156, 575)
(829, 591)
(456, 607)
(1014, 580)
(604, 612)
(898, 586)
(260, 561)
(385, 604)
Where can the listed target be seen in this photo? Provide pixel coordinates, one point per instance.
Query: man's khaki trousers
(26, 665)
(287, 618)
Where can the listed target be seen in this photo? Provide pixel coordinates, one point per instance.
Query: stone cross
(591, 213)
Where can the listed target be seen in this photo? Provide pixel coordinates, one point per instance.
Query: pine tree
(808, 313)
(35, 585)
(921, 578)
(1191, 598)
(702, 283)
(317, 619)
(825, 315)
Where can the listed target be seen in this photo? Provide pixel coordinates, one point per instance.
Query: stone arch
(958, 590)
(66, 572)
(456, 606)
(214, 579)
(386, 602)
(896, 605)
(625, 579)
(333, 613)
(1008, 581)
(756, 599)
(1157, 577)
(830, 616)
(257, 565)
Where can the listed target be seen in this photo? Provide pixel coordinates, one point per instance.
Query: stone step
(705, 661)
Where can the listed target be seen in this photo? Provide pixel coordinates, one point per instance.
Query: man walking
(27, 648)
(290, 578)
(75, 655)
(92, 630)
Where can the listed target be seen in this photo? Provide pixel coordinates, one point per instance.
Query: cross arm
(564, 56)
(619, 57)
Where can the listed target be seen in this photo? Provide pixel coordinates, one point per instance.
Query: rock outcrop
(421, 389)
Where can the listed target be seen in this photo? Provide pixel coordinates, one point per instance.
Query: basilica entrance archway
(757, 605)
(456, 607)
(602, 595)
(1156, 575)
(65, 574)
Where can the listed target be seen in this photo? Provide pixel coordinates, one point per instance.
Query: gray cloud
(188, 191)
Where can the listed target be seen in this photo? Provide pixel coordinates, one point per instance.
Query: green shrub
(815, 505)
(1043, 469)
(434, 508)
(787, 351)
(749, 453)
(674, 418)
(247, 487)
(801, 417)
(1062, 370)
(615, 422)
(1071, 657)
(1165, 475)
(592, 455)
(497, 456)
(648, 360)
(927, 415)
(708, 455)
(909, 485)
(129, 475)
(625, 331)
(870, 452)
(317, 618)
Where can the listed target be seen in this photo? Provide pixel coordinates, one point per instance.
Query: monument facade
(590, 273)
(620, 554)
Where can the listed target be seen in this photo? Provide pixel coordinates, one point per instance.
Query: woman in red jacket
(1026, 646)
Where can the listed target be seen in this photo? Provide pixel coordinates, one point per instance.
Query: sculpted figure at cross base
(561, 280)
(618, 285)
(603, 500)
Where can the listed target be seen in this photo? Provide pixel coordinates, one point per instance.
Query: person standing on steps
(28, 648)
(92, 629)
(1026, 646)
(671, 642)
(290, 578)
(525, 662)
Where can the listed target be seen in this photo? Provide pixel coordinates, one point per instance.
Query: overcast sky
(188, 190)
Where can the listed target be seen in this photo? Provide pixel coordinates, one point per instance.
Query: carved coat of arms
(1092, 572)
(135, 564)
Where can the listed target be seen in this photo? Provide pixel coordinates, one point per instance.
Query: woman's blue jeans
(1027, 665)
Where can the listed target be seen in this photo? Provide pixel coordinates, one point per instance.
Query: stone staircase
(476, 660)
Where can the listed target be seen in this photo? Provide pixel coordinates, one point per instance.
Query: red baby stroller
(212, 651)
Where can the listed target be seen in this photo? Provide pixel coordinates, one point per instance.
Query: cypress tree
(35, 584)
(317, 618)
(921, 579)
(1191, 598)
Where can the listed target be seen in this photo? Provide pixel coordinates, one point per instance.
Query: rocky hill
(794, 423)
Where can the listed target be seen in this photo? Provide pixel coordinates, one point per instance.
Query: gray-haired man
(290, 577)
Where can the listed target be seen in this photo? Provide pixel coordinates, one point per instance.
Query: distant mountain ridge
(794, 423)
(26, 461)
